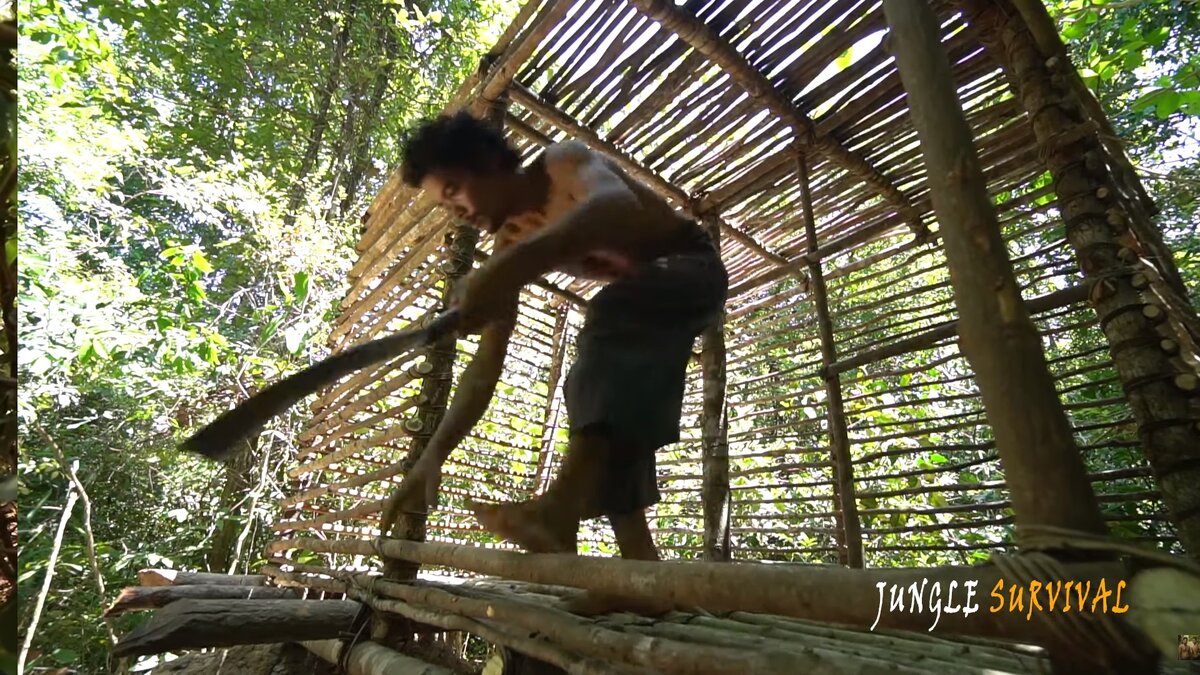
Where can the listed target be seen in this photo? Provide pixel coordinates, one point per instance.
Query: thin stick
(72, 497)
(89, 538)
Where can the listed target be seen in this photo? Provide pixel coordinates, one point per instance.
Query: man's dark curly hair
(459, 141)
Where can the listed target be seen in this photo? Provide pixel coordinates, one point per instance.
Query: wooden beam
(706, 41)
(820, 592)
(997, 337)
(839, 439)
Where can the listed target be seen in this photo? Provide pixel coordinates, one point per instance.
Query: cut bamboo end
(1169, 346)
(1127, 255)
(413, 424)
(1154, 313)
(1188, 382)
(1139, 281)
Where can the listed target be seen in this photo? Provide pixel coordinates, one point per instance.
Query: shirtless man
(571, 210)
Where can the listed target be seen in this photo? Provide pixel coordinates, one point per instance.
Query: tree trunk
(369, 119)
(233, 493)
(1164, 413)
(321, 121)
(435, 391)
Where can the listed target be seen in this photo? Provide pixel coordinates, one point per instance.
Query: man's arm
(471, 400)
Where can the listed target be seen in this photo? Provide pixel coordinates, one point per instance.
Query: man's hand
(484, 296)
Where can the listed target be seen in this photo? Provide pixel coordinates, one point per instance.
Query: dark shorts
(627, 382)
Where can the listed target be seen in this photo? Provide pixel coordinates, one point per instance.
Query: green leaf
(200, 262)
(935, 458)
(64, 656)
(300, 287)
(10, 250)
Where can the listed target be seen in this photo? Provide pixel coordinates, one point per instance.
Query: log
(159, 577)
(153, 597)
(198, 624)
(370, 658)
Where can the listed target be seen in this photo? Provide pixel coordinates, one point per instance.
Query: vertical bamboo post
(1166, 423)
(714, 442)
(558, 355)
(839, 438)
(1042, 466)
(435, 389)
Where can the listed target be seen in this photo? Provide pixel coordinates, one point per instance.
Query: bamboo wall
(715, 122)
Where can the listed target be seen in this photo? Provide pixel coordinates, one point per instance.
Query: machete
(218, 439)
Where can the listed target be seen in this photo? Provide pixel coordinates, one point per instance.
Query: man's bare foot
(592, 603)
(524, 525)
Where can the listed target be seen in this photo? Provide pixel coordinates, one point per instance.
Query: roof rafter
(707, 42)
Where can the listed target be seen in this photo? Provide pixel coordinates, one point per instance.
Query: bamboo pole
(839, 442)
(714, 422)
(550, 412)
(1166, 421)
(370, 658)
(825, 592)
(996, 334)
(435, 387)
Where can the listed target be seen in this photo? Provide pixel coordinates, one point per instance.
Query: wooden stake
(1042, 466)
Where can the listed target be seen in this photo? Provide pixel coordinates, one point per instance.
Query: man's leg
(633, 536)
(550, 523)
(634, 540)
